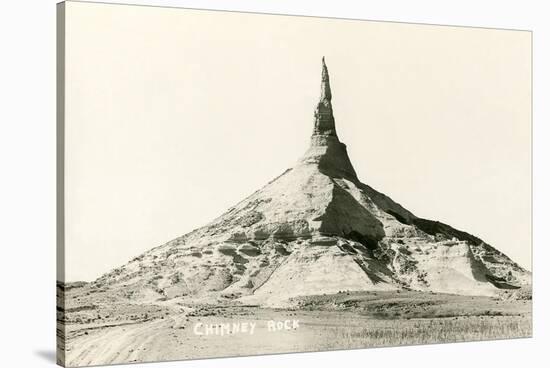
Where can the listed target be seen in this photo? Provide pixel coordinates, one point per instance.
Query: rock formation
(315, 229)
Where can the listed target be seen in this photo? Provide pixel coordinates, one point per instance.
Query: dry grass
(427, 331)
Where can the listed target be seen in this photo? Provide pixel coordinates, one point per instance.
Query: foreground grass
(427, 331)
(109, 333)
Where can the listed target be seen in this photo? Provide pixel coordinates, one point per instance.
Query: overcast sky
(172, 116)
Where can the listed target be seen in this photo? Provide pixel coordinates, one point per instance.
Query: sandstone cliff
(315, 229)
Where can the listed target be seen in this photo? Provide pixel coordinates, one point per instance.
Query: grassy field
(411, 318)
(120, 333)
(427, 331)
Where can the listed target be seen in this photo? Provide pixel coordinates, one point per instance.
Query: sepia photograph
(236, 184)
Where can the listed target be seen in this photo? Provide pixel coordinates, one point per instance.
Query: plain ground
(117, 333)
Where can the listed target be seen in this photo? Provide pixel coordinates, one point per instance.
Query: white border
(27, 187)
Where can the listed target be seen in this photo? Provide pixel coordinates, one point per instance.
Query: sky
(173, 115)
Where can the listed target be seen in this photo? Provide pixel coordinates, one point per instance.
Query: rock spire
(324, 119)
(326, 151)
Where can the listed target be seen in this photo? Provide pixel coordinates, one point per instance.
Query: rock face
(316, 229)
